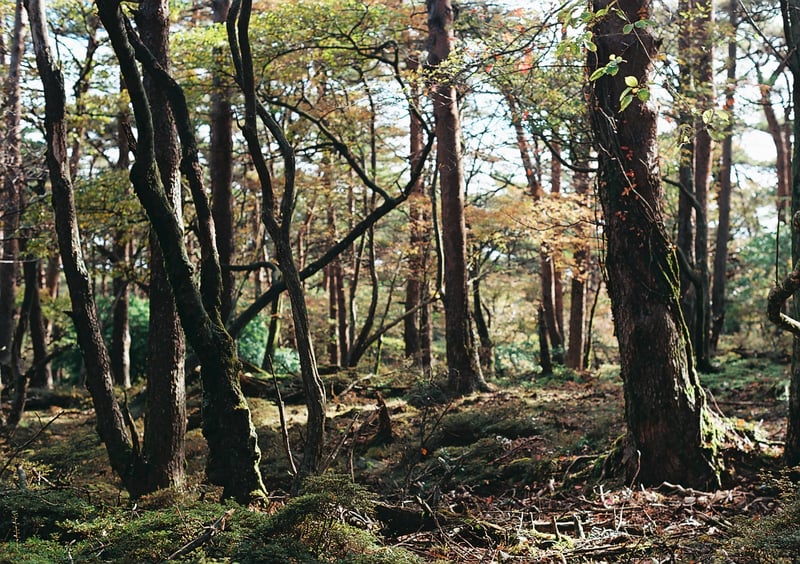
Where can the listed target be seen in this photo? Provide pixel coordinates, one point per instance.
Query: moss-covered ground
(520, 474)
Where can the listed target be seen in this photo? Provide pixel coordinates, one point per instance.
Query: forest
(398, 281)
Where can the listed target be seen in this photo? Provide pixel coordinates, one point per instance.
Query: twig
(24, 445)
(211, 530)
(284, 429)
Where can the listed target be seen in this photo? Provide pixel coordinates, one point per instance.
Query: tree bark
(670, 435)
(12, 182)
(464, 372)
(720, 275)
(233, 448)
(220, 164)
(122, 451)
(583, 265)
(791, 24)
(165, 413)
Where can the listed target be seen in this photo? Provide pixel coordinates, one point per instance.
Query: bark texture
(670, 435)
(165, 413)
(464, 371)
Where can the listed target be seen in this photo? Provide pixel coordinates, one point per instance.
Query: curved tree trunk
(233, 447)
(669, 434)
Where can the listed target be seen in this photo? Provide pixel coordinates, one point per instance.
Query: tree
(277, 217)
(464, 372)
(233, 450)
(670, 431)
(788, 287)
(10, 197)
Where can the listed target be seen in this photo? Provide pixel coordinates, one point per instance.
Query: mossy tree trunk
(233, 450)
(670, 431)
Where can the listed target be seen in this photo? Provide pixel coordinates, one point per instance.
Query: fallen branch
(210, 531)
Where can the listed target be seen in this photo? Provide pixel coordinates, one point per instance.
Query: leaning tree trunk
(122, 451)
(670, 434)
(464, 371)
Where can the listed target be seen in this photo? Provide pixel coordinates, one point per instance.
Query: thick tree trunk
(464, 372)
(670, 434)
(165, 414)
(720, 275)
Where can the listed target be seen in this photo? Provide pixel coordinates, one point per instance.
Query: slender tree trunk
(120, 330)
(578, 285)
(485, 346)
(122, 451)
(724, 198)
(220, 164)
(12, 183)
(419, 234)
(280, 231)
(165, 416)
(670, 432)
(545, 360)
(704, 46)
(42, 376)
(464, 372)
(791, 23)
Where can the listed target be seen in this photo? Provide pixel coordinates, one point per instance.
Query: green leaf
(625, 102)
(627, 28)
(612, 69)
(643, 95)
(708, 115)
(590, 46)
(631, 81)
(598, 73)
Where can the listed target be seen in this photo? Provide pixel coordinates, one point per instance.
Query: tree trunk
(419, 232)
(724, 198)
(42, 376)
(12, 183)
(704, 47)
(165, 413)
(464, 372)
(545, 359)
(233, 448)
(670, 434)
(220, 165)
(791, 23)
(486, 346)
(122, 451)
(280, 231)
(578, 286)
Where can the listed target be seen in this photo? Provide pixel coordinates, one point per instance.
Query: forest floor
(517, 475)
